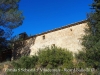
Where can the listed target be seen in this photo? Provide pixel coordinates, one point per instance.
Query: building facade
(68, 37)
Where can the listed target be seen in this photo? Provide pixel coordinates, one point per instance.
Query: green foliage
(55, 57)
(81, 57)
(3, 41)
(91, 41)
(10, 18)
(26, 62)
(51, 58)
(19, 37)
(47, 58)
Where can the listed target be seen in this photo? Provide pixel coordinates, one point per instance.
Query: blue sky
(44, 15)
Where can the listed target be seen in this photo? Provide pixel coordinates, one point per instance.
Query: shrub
(25, 62)
(47, 58)
(55, 57)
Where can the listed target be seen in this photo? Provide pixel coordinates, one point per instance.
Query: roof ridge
(59, 28)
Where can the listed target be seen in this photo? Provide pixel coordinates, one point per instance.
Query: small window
(70, 29)
(53, 45)
(43, 37)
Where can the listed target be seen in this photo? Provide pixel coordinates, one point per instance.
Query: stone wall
(66, 37)
(69, 38)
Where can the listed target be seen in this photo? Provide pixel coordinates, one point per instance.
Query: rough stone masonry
(68, 36)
